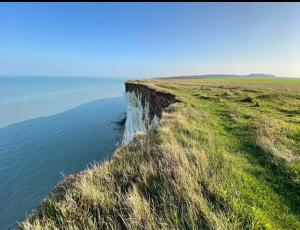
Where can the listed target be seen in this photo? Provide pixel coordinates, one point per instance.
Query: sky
(149, 39)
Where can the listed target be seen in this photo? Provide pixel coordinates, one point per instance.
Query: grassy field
(227, 157)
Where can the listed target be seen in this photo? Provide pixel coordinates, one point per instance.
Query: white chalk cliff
(137, 118)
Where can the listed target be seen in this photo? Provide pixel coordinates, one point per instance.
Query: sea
(51, 127)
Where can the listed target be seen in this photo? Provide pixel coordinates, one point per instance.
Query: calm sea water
(52, 127)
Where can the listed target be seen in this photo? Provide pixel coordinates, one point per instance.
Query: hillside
(227, 156)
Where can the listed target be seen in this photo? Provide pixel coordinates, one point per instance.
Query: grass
(227, 157)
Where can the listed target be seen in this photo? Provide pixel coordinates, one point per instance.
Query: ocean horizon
(24, 98)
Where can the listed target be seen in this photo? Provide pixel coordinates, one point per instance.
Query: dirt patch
(247, 100)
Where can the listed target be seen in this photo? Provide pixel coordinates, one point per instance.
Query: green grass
(227, 157)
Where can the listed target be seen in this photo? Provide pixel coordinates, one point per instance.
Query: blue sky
(147, 39)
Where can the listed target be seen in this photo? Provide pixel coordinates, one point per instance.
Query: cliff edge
(144, 107)
(226, 157)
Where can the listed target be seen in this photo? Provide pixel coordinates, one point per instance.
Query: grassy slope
(227, 157)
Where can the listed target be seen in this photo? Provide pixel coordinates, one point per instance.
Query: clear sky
(147, 39)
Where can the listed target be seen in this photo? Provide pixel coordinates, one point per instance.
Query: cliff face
(144, 108)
